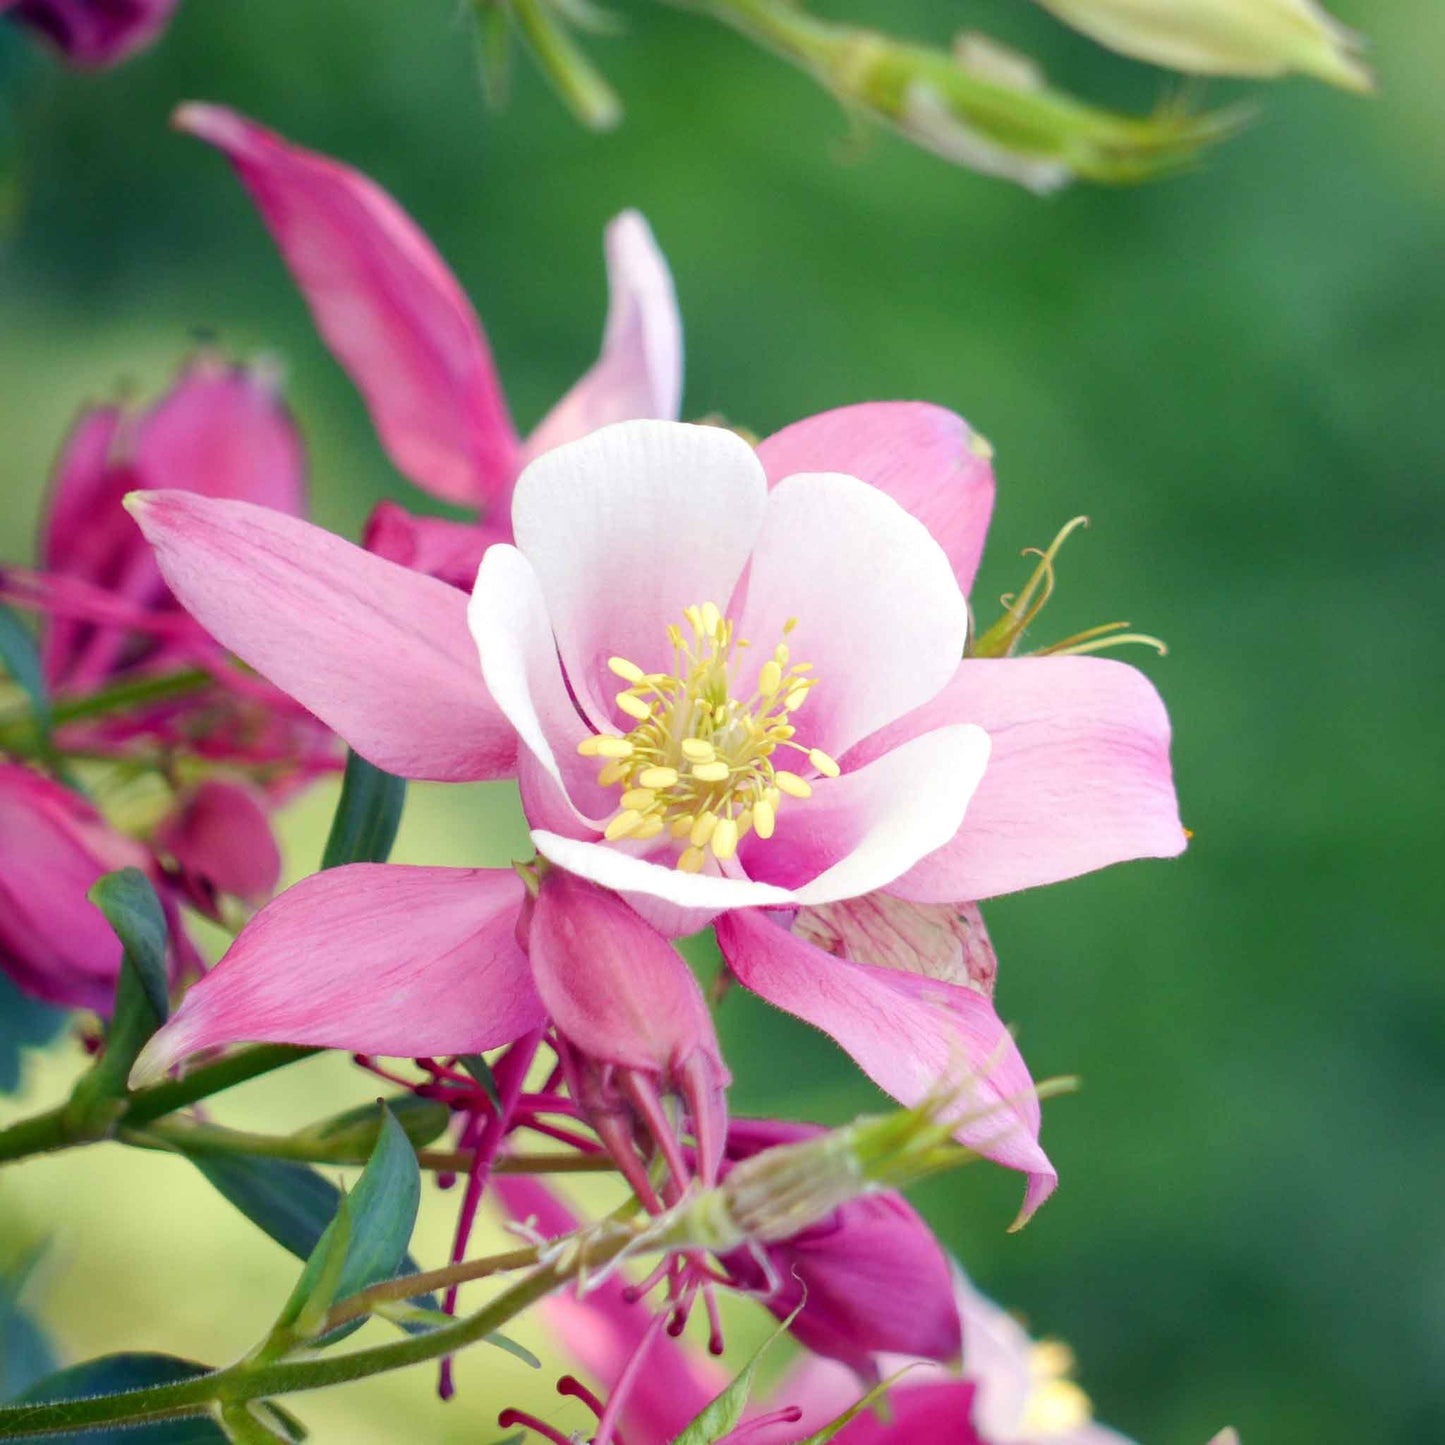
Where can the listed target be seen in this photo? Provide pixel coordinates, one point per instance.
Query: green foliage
(113, 1375)
(367, 816)
(25, 1023)
(20, 658)
(724, 1413)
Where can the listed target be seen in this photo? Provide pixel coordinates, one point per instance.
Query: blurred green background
(1236, 374)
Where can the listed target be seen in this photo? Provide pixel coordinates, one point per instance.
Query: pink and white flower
(850, 748)
(394, 316)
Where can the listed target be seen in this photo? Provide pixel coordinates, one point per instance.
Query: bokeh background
(1237, 375)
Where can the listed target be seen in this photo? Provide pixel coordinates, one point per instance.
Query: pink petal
(508, 621)
(939, 1413)
(639, 373)
(1079, 777)
(450, 551)
(879, 614)
(220, 837)
(908, 1034)
(373, 957)
(627, 527)
(92, 35)
(378, 653)
(927, 459)
(386, 305)
(613, 985)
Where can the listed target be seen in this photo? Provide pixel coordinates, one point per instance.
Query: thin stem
(248, 1381)
(425, 1282)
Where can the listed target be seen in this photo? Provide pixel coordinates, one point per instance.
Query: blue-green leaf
(131, 907)
(25, 1023)
(367, 817)
(291, 1202)
(422, 1121)
(481, 1072)
(25, 1353)
(113, 1375)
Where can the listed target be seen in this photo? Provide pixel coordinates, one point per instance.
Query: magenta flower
(94, 34)
(847, 750)
(54, 943)
(395, 317)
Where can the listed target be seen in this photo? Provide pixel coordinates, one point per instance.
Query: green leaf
(316, 1290)
(25, 1353)
(481, 1072)
(21, 660)
(291, 1202)
(724, 1413)
(132, 909)
(422, 1121)
(367, 816)
(494, 50)
(113, 1375)
(25, 1023)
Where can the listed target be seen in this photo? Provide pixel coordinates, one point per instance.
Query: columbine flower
(1225, 37)
(93, 34)
(396, 319)
(847, 749)
(55, 943)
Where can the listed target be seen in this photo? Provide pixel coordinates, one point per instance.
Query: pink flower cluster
(736, 688)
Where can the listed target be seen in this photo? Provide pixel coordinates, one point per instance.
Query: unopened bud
(1260, 38)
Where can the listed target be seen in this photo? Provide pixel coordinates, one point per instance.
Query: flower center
(699, 763)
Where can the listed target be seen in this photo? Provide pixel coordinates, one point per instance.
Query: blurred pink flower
(395, 317)
(93, 34)
(612, 634)
(54, 943)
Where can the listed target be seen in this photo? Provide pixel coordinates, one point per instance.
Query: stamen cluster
(699, 763)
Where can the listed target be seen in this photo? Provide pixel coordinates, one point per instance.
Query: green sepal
(723, 1414)
(834, 1427)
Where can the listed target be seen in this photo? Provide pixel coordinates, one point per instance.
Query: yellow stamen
(640, 798)
(634, 706)
(627, 671)
(614, 772)
(724, 840)
(622, 825)
(605, 747)
(793, 785)
(682, 826)
(657, 777)
(695, 750)
(770, 678)
(823, 763)
(711, 772)
(795, 699)
(711, 617)
(763, 818)
(702, 829)
(649, 827)
(690, 860)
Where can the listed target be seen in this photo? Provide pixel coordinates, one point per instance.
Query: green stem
(136, 692)
(426, 1282)
(60, 1128)
(248, 1381)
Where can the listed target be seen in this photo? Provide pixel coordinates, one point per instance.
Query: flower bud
(1224, 37)
(55, 943)
(219, 834)
(93, 34)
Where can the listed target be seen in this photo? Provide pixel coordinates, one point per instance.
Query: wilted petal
(386, 305)
(639, 373)
(879, 614)
(928, 459)
(379, 653)
(1079, 776)
(450, 551)
(909, 1034)
(627, 527)
(220, 837)
(373, 957)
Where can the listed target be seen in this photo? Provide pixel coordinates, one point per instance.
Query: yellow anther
(789, 625)
(773, 798)
(764, 818)
(781, 654)
(711, 618)
(657, 777)
(745, 822)
(716, 772)
(690, 860)
(649, 827)
(605, 746)
(770, 678)
(682, 826)
(702, 829)
(795, 699)
(622, 825)
(724, 840)
(640, 798)
(793, 785)
(823, 763)
(695, 750)
(694, 616)
(634, 706)
(614, 772)
(627, 671)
